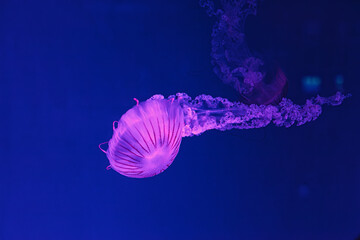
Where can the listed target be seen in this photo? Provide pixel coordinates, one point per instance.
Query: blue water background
(68, 69)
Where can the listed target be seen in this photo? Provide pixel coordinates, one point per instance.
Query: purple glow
(257, 81)
(148, 136)
(147, 139)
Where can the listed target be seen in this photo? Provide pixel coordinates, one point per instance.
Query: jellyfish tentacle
(101, 145)
(206, 113)
(257, 81)
(114, 125)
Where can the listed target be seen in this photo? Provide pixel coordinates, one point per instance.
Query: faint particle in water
(339, 82)
(311, 84)
(303, 190)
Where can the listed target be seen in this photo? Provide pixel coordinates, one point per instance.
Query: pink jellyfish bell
(147, 138)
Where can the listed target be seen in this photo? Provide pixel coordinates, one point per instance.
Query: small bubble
(303, 190)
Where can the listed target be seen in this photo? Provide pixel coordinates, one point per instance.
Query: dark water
(68, 69)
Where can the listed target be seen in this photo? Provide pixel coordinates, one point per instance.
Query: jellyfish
(256, 80)
(147, 139)
(148, 136)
